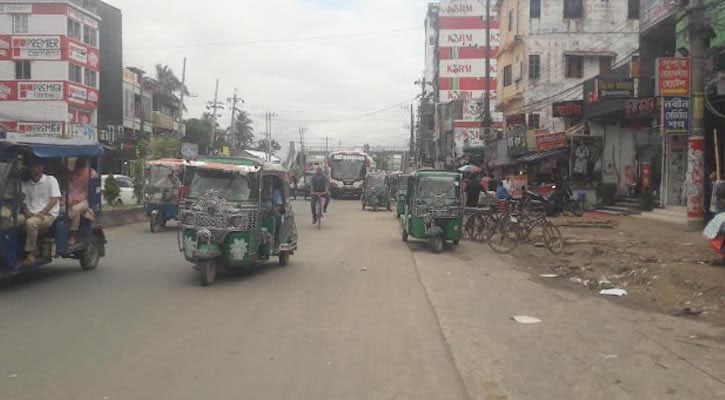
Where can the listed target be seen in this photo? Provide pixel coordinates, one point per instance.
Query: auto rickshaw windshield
(231, 186)
(445, 187)
(376, 180)
(159, 177)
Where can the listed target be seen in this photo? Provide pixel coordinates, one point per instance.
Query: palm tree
(244, 130)
(169, 85)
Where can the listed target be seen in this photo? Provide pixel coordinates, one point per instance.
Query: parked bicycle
(509, 227)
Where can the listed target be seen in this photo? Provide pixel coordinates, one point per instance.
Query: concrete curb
(121, 217)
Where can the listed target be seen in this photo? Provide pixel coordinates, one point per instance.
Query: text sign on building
(462, 8)
(615, 88)
(516, 140)
(40, 91)
(470, 68)
(568, 109)
(37, 48)
(550, 141)
(34, 131)
(77, 53)
(82, 18)
(16, 8)
(672, 76)
(675, 115)
(468, 38)
(652, 12)
(639, 107)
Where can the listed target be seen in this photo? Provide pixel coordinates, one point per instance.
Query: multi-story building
(548, 47)
(49, 69)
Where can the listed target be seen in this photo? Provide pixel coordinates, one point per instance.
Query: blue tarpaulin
(58, 151)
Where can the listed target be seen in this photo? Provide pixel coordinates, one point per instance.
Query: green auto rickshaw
(237, 214)
(399, 193)
(433, 208)
(375, 192)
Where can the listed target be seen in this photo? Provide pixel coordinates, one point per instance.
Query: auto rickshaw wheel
(437, 244)
(283, 259)
(404, 235)
(156, 223)
(363, 204)
(90, 257)
(208, 271)
(375, 207)
(389, 207)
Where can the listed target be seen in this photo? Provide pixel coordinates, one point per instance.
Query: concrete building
(49, 66)
(550, 46)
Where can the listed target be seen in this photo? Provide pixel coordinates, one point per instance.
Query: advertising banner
(468, 38)
(639, 107)
(672, 76)
(550, 141)
(518, 185)
(77, 53)
(82, 18)
(614, 88)
(462, 8)
(81, 95)
(16, 8)
(675, 115)
(39, 91)
(568, 109)
(36, 48)
(469, 68)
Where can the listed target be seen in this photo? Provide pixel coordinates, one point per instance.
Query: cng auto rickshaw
(237, 214)
(375, 191)
(87, 244)
(433, 209)
(161, 197)
(401, 184)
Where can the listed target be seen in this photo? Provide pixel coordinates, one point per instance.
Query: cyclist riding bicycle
(320, 184)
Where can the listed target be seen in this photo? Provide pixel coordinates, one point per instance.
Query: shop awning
(537, 157)
(576, 130)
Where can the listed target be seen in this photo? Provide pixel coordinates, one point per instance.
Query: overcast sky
(302, 59)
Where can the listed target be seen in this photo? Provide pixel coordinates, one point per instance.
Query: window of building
(91, 78)
(534, 66)
(535, 9)
(75, 73)
(633, 9)
(20, 23)
(74, 30)
(605, 64)
(573, 9)
(511, 19)
(22, 70)
(534, 121)
(574, 66)
(507, 75)
(90, 36)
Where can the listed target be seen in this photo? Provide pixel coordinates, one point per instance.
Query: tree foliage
(165, 147)
(111, 190)
(243, 130)
(264, 145)
(198, 130)
(169, 84)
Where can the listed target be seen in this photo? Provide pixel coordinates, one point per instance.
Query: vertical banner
(696, 179)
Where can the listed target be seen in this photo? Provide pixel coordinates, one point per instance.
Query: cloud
(309, 61)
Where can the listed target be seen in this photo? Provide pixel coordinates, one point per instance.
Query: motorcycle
(559, 201)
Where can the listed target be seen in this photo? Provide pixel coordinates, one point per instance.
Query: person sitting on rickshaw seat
(40, 207)
(78, 197)
(169, 185)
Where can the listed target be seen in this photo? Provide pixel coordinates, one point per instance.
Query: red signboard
(673, 76)
(550, 141)
(81, 96)
(568, 109)
(518, 185)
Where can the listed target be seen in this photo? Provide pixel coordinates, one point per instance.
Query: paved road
(140, 327)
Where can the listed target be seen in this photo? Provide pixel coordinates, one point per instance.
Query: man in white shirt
(41, 207)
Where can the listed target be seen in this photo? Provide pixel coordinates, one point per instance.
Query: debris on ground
(525, 319)
(613, 292)
(549, 276)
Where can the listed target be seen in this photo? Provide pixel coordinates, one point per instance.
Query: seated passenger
(78, 197)
(40, 208)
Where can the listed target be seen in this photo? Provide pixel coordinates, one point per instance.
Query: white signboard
(468, 38)
(449, 95)
(475, 68)
(28, 91)
(16, 8)
(41, 129)
(464, 8)
(82, 18)
(37, 48)
(343, 157)
(77, 94)
(468, 137)
(77, 53)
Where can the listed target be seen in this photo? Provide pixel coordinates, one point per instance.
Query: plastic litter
(613, 292)
(525, 319)
(548, 276)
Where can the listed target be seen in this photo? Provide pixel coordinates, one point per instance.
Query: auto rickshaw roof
(54, 151)
(437, 173)
(231, 160)
(172, 163)
(225, 167)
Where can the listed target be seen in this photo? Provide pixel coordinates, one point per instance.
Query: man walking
(40, 208)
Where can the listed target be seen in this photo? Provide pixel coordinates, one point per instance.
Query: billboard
(467, 68)
(468, 38)
(672, 76)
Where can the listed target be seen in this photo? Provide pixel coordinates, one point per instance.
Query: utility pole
(696, 154)
(487, 93)
(268, 132)
(302, 147)
(214, 106)
(183, 93)
(232, 127)
(327, 145)
(411, 151)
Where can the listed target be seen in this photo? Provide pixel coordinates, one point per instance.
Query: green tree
(111, 190)
(165, 147)
(198, 130)
(244, 130)
(268, 147)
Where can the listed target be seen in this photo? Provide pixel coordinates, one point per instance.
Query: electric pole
(183, 93)
(232, 127)
(268, 133)
(487, 93)
(302, 147)
(214, 106)
(411, 151)
(696, 154)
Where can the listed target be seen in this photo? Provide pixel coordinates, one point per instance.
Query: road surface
(356, 315)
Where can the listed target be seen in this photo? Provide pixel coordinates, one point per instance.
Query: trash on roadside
(525, 319)
(689, 311)
(609, 356)
(613, 292)
(605, 283)
(13, 376)
(548, 276)
(364, 269)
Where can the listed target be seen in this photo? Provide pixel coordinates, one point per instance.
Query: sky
(343, 69)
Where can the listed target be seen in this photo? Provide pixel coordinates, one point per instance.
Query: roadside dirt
(661, 267)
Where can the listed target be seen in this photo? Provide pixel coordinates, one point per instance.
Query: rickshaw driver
(319, 184)
(40, 207)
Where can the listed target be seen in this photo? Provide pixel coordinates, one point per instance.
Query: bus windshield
(345, 170)
(231, 187)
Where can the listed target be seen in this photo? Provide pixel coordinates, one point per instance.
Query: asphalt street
(347, 319)
(356, 315)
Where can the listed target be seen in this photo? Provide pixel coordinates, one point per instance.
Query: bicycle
(512, 228)
(320, 207)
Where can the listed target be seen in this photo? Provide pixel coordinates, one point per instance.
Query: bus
(347, 172)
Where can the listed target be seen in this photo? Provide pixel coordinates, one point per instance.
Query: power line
(275, 41)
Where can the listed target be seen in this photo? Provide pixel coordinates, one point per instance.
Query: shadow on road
(44, 276)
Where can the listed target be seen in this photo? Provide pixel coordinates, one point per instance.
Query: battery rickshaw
(375, 191)
(433, 209)
(161, 197)
(237, 214)
(87, 244)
